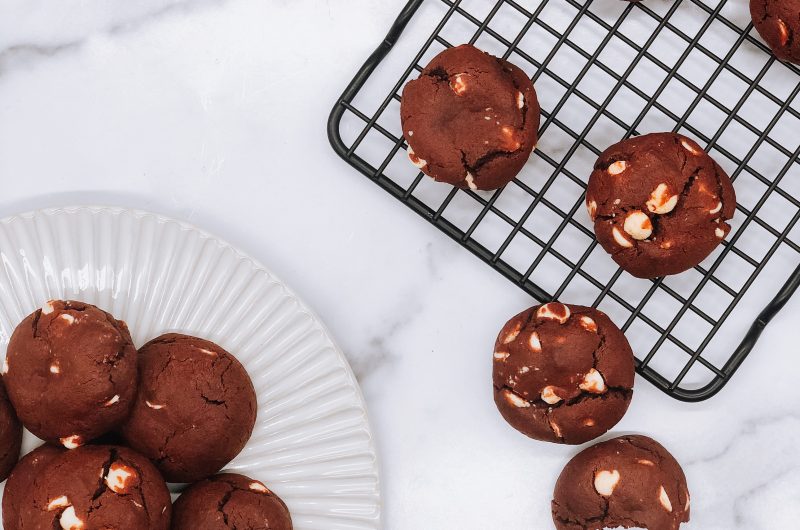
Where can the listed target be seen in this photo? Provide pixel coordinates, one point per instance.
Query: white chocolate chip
(72, 442)
(661, 202)
(620, 239)
(645, 462)
(638, 225)
(717, 208)
(112, 401)
(556, 429)
(487, 118)
(591, 206)
(55, 368)
(66, 317)
(458, 84)
(417, 161)
(119, 475)
(208, 352)
(512, 335)
(535, 343)
(520, 100)
(719, 232)
(516, 400)
(549, 396)
(524, 369)
(663, 498)
(5, 365)
(605, 482)
(593, 382)
(689, 146)
(554, 311)
(588, 422)
(471, 181)
(259, 487)
(617, 167)
(58, 502)
(410, 133)
(48, 307)
(501, 355)
(153, 405)
(588, 324)
(510, 136)
(69, 520)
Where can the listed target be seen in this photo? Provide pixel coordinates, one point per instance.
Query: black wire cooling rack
(606, 70)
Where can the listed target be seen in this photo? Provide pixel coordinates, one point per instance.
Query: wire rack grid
(607, 70)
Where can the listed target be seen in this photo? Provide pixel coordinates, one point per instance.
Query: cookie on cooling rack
(70, 372)
(470, 119)
(97, 486)
(195, 410)
(230, 500)
(659, 203)
(627, 481)
(778, 23)
(562, 373)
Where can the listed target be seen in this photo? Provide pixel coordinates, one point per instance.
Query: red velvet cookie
(470, 119)
(195, 410)
(10, 435)
(562, 373)
(19, 491)
(778, 23)
(659, 203)
(229, 501)
(631, 481)
(70, 372)
(98, 487)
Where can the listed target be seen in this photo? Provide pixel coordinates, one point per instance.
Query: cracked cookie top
(562, 373)
(195, 410)
(659, 203)
(70, 372)
(95, 487)
(470, 119)
(631, 481)
(778, 23)
(230, 501)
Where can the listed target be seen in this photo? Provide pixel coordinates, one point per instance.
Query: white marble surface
(214, 111)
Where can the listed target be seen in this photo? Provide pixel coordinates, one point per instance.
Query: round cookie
(659, 203)
(562, 373)
(70, 371)
(230, 501)
(195, 410)
(10, 435)
(470, 119)
(631, 481)
(19, 491)
(98, 487)
(778, 23)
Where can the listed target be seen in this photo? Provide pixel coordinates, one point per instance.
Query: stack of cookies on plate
(118, 424)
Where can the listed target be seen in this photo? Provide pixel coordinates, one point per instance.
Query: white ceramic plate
(312, 442)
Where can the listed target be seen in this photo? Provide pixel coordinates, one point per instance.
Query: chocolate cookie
(70, 371)
(229, 501)
(98, 487)
(659, 203)
(562, 373)
(10, 435)
(630, 481)
(195, 410)
(778, 23)
(19, 490)
(470, 119)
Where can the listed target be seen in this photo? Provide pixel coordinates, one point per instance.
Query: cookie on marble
(562, 373)
(470, 119)
(631, 481)
(229, 501)
(70, 372)
(195, 410)
(778, 23)
(19, 491)
(660, 204)
(10, 435)
(98, 487)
